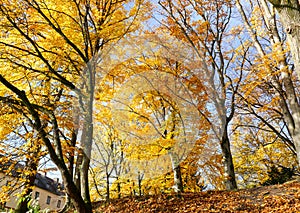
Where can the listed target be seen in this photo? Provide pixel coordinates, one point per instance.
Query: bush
(279, 175)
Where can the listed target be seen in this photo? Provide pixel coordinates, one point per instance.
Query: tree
(107, 159)
(148, 88)
(205, 25)
(274, 76)
(49, 47)
(164, 118)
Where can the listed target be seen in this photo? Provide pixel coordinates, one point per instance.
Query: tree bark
(178, 185)
(107, 188)
(87, 136)
(289, 12)
(73, 193)
(229, 174)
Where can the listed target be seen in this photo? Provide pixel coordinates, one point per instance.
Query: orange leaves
(279, 198)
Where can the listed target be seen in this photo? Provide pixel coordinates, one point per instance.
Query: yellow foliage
(254, 156)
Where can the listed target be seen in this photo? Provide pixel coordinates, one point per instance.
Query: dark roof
(48, 184)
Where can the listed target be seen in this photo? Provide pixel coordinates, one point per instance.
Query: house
(47, 193)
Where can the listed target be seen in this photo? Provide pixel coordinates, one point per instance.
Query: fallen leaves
(276, 198)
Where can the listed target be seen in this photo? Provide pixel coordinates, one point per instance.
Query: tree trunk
(22, 206)
(296, 138)
(229, 174)
(87, 134)
(73, 193)
(178, 186)
(140, 179)
(289, 12)
(77, 170)
(119, 188)
(178, 179)
(289, 101)
(107, 188)
(84, 183)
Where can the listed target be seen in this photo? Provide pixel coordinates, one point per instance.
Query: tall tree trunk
(107, 188)
(77, 170)
(84, 183)
(178, 185)
(86, 141)
(73, 192)
(289, 12)
(229, 174)
(296, 137)
(218, 67)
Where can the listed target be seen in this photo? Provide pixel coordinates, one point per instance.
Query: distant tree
(205, 25)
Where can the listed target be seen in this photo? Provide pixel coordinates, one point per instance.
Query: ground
(276, 198)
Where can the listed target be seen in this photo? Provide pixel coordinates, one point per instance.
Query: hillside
(276, 198)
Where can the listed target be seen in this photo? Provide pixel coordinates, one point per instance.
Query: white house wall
(42, 200)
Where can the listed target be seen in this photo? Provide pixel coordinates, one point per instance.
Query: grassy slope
(276, 198)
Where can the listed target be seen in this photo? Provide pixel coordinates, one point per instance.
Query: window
(37, 195)
(58, 203)
(48, 200)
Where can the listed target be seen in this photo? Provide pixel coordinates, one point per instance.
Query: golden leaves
(278, 198)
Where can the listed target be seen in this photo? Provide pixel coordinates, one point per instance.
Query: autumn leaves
(87, 76)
